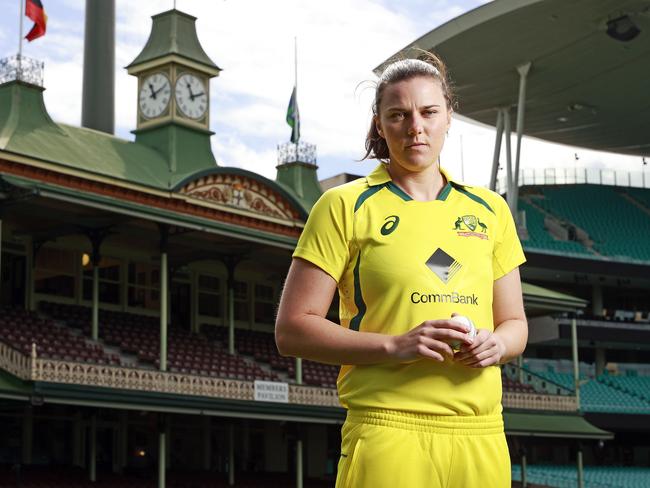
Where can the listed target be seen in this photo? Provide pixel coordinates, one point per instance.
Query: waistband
(422, 422)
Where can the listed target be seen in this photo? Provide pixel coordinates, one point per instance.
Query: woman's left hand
(487, 350)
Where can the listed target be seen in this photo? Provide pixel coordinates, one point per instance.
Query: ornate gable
(242, 192)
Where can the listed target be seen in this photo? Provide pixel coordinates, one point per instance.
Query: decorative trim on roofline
(175, 202)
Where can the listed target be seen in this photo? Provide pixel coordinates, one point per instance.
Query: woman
(408, 248)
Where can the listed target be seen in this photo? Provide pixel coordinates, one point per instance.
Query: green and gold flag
(293, 116)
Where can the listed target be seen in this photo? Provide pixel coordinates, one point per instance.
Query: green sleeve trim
(476, 198)
(355, 323)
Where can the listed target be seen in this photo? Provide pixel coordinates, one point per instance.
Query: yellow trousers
(394, 449)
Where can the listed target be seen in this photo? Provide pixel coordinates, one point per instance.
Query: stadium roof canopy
(584, 88)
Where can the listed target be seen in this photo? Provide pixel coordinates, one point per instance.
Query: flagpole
(20, 37)
(20, 33)
(295, 66)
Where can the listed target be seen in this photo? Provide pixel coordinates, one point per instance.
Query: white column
(163, 311)
(299, 371)
(231, 315)
(521, 106)
(576, 364)
(95, 306)
(581, 478)
(507, 131)
(497, 151)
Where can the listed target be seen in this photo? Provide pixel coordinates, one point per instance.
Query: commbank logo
(392, 221)
(443, 265)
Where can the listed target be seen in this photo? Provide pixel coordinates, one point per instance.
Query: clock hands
(153, 93)
(193, 95)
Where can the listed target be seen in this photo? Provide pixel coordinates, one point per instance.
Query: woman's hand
(430, 340)
(487, 350)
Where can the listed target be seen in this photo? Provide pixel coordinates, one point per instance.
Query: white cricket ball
(465, 321)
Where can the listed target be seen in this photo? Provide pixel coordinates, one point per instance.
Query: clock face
(191, 96)
(155, 92)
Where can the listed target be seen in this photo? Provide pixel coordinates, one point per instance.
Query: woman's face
(413, 119)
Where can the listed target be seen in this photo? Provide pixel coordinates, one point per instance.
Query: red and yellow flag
(35, 11)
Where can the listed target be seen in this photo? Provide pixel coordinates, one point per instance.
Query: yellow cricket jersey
(399, 262)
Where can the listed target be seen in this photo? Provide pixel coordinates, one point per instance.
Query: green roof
(542, 301)
(552, 425)
(26, 129)
(174, 32)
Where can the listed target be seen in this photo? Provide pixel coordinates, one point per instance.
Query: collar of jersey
(380, 175)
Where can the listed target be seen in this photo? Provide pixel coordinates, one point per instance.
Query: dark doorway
(13, 289)
(181, 305)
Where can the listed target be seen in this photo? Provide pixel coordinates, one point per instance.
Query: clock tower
(174, 75)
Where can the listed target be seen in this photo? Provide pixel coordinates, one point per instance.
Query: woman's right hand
(430, 340)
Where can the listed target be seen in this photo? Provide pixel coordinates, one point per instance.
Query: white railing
(21, 68)
(572, 176)
(301, 152)
(123, 378)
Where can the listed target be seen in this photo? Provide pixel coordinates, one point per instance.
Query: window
(264, 304)
(109, 281)
(144, 286)
(209, 296)
(241, 301)
(54, 272)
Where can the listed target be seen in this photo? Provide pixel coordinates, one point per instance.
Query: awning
(542, 301)
(572, 426)
(586, 84)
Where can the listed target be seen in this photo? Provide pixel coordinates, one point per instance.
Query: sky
(339, 43)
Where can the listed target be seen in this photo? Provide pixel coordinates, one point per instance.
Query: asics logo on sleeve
(392, 221)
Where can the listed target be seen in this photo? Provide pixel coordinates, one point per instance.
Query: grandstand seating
(638, 386)
(539, 238)
(597, 396)
(20, 329)
(261, 345)
(641, 195)
(613, 235)
(137, 338)
(140, 335)
(562, 476)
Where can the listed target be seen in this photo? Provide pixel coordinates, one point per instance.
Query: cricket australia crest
(467, 225)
